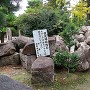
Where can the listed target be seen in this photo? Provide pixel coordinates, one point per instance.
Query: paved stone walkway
(7, 83)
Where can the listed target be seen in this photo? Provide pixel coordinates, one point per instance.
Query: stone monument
(9, 34)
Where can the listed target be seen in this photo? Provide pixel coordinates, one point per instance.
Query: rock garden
(46, 46)
(45, 70)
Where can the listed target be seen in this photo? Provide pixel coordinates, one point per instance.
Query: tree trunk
(2, 37)
(88, 20)
(88, 14)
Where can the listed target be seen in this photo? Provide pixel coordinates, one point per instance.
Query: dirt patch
(63, 81)
(17, 73)
(11, 70)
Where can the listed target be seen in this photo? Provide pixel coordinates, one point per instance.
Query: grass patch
(24, 77)
(63, 81)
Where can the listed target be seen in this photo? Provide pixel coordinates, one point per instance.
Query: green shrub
(67, 60)
(68, 32)
(44, 19)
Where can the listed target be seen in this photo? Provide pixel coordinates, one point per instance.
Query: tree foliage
(58, 3)
(35, 3)
(2, 20)
(52, 16)
(7, 17)
(52, 3)
(9, 5)
(44, 19)
(82, 11)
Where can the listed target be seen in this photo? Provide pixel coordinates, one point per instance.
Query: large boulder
(21, 41)
(27, 60)
(42, 70)
(87, 34)
(84, 53)
(29, 49)
(10, 60)
(60, 43)
(7, 49)
(88, 40)
(7, 83)
(80, 38)
(83, 66)
(85, 28)
(52, 45)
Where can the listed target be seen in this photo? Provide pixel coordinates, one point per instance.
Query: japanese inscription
(41, 42)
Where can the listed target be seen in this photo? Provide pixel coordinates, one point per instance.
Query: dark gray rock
(21, 41)
(29, 49)
(7, 83)
(10, 60)
(7, 49)
(84, 52)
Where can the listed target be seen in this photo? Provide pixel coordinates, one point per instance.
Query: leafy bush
(44, 19)
(67, 60)
(70, 28)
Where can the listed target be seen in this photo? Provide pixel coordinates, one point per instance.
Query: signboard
(41, 42)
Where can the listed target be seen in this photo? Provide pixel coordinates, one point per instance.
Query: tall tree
(88, 13)
(7, 8)
(58, 3)
(52, 3)
(10, 5)
(34, 3)
(2, 24)
(82, 10)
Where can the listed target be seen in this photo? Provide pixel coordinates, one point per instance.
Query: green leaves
(61, 3)
(44, 19)
(10, 5)
(10, 19)
(35, 3)
(2, 19)
(67, 60)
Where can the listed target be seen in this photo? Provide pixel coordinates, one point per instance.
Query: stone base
(42, 71)
(44, 78)
(27, 60)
